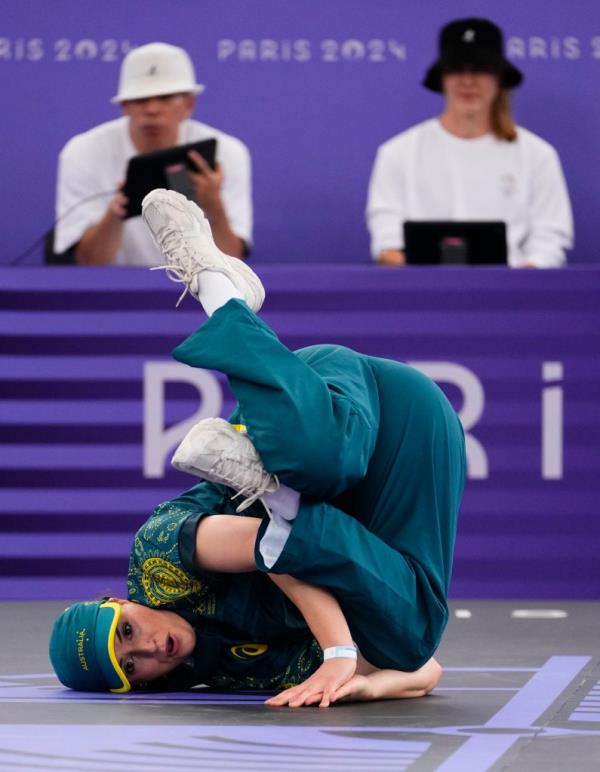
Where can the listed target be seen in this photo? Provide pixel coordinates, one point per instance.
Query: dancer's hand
(358, 689)
(321, 685)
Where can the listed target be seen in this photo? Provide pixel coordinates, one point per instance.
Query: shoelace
(252, 493)
(183, 273)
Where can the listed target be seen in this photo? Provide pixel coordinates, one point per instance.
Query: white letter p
(158, 440)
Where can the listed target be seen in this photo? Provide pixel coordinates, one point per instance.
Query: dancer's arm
(225, 543)
(327, 623)
(326, 620)
(321, 611)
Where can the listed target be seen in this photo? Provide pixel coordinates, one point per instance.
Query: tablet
(433, 242)
(164, 169)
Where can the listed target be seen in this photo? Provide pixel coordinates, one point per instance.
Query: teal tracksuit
(377, 453)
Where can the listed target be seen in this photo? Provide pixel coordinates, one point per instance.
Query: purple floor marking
(222, 747)
(589, 708)
(539, 693)
(480, 752)
(264, 746)
(26, 676)
(17, 689)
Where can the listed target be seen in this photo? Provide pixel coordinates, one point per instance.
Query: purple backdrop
(333, 80)
(76, 343)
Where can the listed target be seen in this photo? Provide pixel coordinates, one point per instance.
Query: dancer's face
(149, 643)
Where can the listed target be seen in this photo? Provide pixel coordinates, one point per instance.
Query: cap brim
(106, 628)
(146, 93)
(510, 76)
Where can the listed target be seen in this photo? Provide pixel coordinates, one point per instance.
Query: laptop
(164, 169)
(433, 242)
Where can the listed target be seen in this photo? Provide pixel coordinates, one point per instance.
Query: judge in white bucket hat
(157, 69)
(157, 94)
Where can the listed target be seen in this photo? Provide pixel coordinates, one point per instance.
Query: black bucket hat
(475, 44)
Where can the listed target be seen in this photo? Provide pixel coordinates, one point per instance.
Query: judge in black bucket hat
(472, 162)
(472, 44)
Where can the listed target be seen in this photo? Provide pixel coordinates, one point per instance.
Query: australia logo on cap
(152, 71)
(80, 641)
(469, 36)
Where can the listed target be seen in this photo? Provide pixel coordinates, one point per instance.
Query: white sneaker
(182, 233)
(214, 450)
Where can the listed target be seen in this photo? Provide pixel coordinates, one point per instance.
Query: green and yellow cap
(82, 648)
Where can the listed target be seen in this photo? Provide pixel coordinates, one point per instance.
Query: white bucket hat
(156, 69)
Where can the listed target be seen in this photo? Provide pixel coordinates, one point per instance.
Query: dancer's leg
(215, 290)
(183, 234)
(388, 555)
(316, 431)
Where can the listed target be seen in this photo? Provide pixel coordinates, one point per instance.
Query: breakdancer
(314, 557)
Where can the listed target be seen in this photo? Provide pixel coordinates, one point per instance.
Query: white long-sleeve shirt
(95, 162)
(427, 173)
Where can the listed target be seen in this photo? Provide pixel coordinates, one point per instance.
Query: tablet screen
(178, 178)
(164, 169)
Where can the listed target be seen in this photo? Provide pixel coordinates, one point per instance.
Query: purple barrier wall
(312, 87)
(84, 357)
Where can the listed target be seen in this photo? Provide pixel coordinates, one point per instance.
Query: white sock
(216, 289)
(285, 502)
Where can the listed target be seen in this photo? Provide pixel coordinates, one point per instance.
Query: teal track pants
(377, 453)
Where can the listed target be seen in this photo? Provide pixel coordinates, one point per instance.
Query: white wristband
(349, 652)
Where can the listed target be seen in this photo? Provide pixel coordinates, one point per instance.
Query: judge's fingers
(199, 162)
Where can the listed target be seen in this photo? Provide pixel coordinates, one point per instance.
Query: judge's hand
(391, 257)
(206, 182)
(320, 687)
(117, 207)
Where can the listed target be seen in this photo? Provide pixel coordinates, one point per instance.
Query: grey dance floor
(518, 694)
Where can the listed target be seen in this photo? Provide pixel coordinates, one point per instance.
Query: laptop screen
(434, 242)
